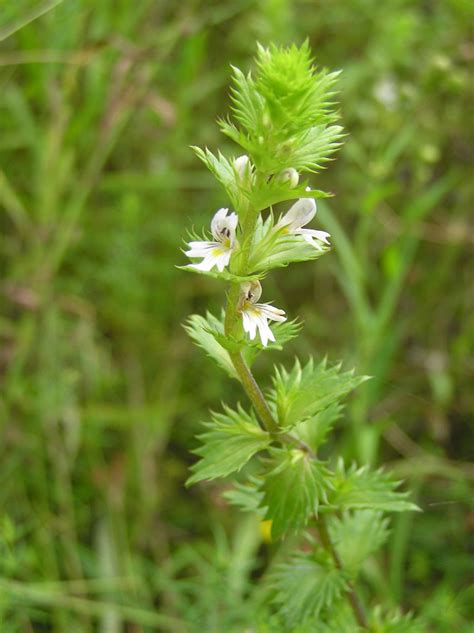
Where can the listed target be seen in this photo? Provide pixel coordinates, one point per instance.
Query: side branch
(352, 596)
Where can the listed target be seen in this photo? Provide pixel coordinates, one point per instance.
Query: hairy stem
(354, 600)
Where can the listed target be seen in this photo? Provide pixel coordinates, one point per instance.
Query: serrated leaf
(293, 490)
(395, 622)
(273, 247)
(306, 587)
(305, 391)
(356, 535)
(340, 620)
(205, 332)
(287, 249)
(364, 488)
(314, 431)
(246, 496)
(223, 170)
(232, 438)
(314, 147)
(247, 105)
(273, 192)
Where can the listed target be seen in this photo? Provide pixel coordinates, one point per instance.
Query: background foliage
(102, 392)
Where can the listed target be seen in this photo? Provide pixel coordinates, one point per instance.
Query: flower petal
(206, 265)
(233, 221)
(270, 312)
(319, 235)
(223, 227)
(250, 324)
(264, 330)
(222, 260)
(201, 249)
(302, 212)
(310, 235)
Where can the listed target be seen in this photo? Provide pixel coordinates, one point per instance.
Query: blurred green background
(102, 393)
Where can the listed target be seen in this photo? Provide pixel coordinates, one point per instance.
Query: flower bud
(242, 165)
(289, 175)
(251, 291)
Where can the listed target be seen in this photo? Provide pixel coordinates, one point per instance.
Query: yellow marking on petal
(222, 248)
(250, 308)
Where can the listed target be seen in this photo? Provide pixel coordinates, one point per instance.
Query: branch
(355, 602)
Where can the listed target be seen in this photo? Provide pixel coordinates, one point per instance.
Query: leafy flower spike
(302, 212)
(218, 252)
(283, 119)
(256, 315)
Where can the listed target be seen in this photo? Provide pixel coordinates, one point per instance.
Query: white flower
(256, 315)
(302, 212)
(218, 252)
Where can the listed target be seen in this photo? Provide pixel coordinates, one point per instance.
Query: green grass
(102, 392)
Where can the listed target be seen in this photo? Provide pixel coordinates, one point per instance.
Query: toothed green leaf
(314, 430)
(314, 147)
(305, 391)
(232, 438)
(204, 331)
(293, 489)
(395, 622)
(247, 496)
(273, 192)
(356, 535)
(274, 247)
(308, 586)
(223, 170)
(365, 488)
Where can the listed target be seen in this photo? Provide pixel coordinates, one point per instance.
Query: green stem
(254, 393)
(354, 600)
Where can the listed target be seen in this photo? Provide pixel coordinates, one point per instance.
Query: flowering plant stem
(287, 119)
(255, 394)
(231, 322)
